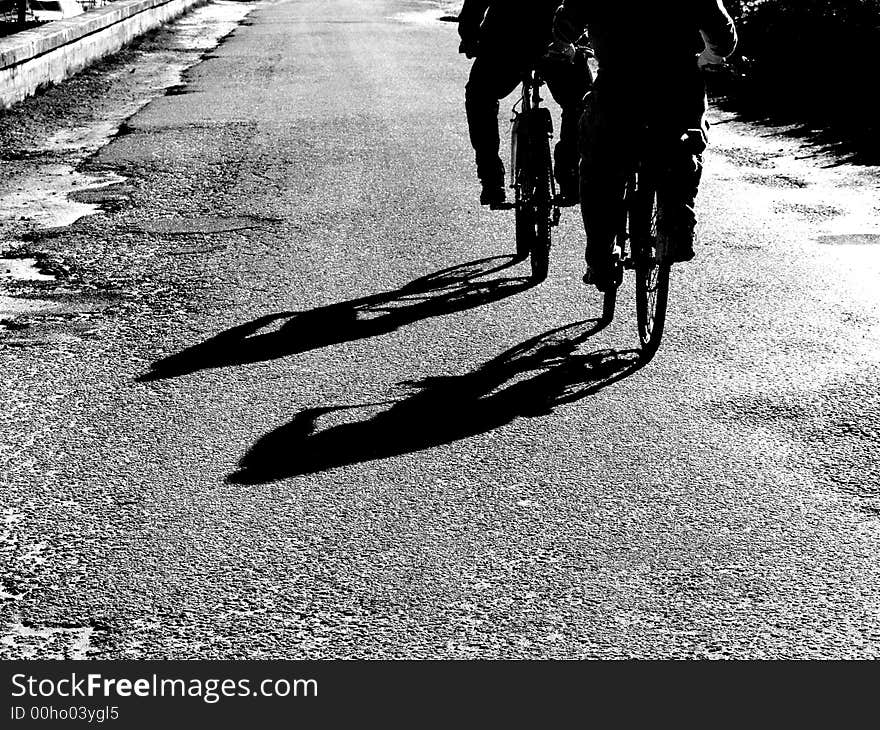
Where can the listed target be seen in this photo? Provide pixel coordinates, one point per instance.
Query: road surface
(283, 393)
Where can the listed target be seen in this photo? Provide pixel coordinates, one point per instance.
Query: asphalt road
(288, 396)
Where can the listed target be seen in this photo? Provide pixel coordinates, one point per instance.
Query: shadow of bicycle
(451, 290)
(528, 380)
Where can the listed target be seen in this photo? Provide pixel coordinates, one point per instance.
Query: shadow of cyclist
(448, 291)
(529, 380)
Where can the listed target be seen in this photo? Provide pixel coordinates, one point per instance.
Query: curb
(33, 59)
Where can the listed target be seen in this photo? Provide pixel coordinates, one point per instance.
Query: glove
(469, 47)
(560, 51)
(708, 57)
(470, 40)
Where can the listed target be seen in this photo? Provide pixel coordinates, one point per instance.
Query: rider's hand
(469, 47)
(561, 51)
(708, 57)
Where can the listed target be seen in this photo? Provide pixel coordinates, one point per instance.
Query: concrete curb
(35, 58)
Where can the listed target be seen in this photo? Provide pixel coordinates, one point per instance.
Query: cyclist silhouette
(650, 55)
(507, 37)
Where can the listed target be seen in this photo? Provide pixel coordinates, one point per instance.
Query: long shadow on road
(444, 292)
(528, 380)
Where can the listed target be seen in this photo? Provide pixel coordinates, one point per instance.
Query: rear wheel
(652, 271)
(542, 207)
(523, 189)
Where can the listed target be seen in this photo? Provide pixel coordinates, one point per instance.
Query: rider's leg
(604, 166)
(678, 220)
(677, 202)
(490, 80)
(569, 83)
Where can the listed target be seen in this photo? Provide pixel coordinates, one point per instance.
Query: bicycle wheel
(522, 186)
(652, 272)
(542, 205)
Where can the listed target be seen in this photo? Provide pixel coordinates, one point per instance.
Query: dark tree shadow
(445, 292)
(830, 130)
(529, 380)
(844, 142)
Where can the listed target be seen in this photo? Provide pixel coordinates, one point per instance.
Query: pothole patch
(24, 269)
(41, 201)
(108, 198)
(46, 321)
(14, 306)
(57, 193)
(46, 199)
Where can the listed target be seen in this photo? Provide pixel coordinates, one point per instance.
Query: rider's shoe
(681, 253)
(493, 196)
(604, 278)
(677, 246)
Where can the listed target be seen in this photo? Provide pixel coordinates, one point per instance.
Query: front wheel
(652, 271)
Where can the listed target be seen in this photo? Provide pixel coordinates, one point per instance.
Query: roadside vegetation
(814, 63)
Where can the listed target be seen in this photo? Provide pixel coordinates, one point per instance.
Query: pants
(612, 140)
(494, 76)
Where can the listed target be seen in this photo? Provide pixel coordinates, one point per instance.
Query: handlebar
(732, 68)
(568, 52)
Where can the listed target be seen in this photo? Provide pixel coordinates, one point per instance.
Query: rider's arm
(470, 18)
(717, 29)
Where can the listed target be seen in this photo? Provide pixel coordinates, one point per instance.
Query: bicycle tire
(522, 185)
(652, 272)
(542, 205)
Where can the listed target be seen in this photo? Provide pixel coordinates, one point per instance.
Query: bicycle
(535, 199)
(639, 245)
(536, 202)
